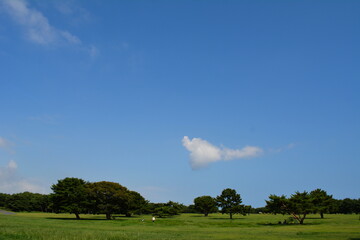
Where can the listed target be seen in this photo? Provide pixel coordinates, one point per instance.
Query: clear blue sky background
(106, 90)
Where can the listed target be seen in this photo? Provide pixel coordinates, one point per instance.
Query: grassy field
(186, 226)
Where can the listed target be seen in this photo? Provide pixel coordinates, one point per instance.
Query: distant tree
(348, 206)
(70, 195)
(247, 209)
(334, 206)
(25, 201)
(179, 207)
(298, 205)
(4, 199)
(190, 209)
(230, 202)
(109, 198)
(166, 209)
(259, 210)
(205, 205)
(20, 202)
(322, 201)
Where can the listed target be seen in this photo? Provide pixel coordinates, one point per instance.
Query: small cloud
(6, 145)
(12, 165)
(45, 118)
(93, 51)
(281, 149)
(10, 182)
(202, 152)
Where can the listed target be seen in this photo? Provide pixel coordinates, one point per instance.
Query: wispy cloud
(35, 25)
(93, 51)
(75, 13)
(6, 145)
(45, 118)
(11, 182)
(202, 152)
(281, 149)
(37, 28)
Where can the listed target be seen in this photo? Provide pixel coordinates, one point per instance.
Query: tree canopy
(205, 205)
(230, 202)
(298, 205)
(322, 201)
(70, 195)
(109, 198)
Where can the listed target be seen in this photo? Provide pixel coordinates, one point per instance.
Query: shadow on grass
(87, 219)
(288, 224)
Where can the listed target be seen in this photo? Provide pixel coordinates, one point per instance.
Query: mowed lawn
(185, 226)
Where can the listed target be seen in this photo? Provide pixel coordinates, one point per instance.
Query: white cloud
(12, 165)
(36, 26)
(202, 152)
(10, 182)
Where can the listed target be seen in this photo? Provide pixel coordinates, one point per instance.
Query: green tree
(230, 202)
(348, 205)
(4, 199)
(298, 205)
(20, 202)
(165, 209)
(109, 198)
(136, 204)
(70, 195)
(205, 205)
(322, 201)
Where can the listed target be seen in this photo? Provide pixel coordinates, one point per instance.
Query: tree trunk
(77, 216)
(322, 215)
(231, 215)
(206, 214)
(108, 216)
(302, 219)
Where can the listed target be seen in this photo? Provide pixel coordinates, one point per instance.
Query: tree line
(76, 196)
(298, 205)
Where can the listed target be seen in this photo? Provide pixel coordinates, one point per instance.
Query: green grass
(186, 226)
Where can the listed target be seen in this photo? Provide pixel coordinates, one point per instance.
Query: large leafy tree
(136, 204)
(298, 205)
(205, 205)
(230, 202)
(321, 200)
(70, 195)
(109, 198)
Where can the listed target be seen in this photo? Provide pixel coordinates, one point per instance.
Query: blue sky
(178, 99)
